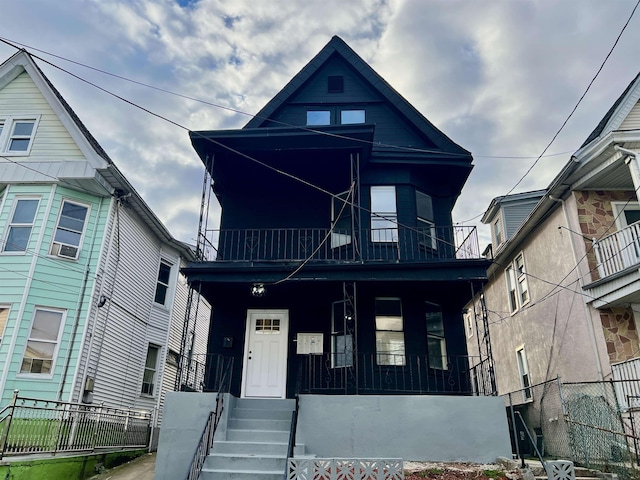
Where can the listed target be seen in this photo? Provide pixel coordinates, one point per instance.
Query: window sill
(16, 154)
(34, 376)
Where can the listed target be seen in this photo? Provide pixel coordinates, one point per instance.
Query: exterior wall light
(258, 290)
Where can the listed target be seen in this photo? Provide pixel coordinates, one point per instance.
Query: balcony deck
(326, 245)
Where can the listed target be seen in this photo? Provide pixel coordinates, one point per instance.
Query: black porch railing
(400, 244)
(402, 374)
(204, 372)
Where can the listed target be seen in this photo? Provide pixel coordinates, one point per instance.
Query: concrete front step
(250, 448)
(235, 461)
(245, 435)
(261, 414)
(266, 403)
(259, 424)
(240, 475)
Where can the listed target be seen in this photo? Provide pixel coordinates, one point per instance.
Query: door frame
(285, 351)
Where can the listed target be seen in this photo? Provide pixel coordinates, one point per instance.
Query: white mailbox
(309, 343)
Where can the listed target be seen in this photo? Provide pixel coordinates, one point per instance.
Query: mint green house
(92, 305)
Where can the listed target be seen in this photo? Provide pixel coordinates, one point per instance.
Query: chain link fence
(587, 423)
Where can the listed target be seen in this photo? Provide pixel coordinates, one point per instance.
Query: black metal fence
(395, 374)
(322, 244)
(204, 372)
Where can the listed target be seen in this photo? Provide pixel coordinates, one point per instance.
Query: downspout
(589, 318)
(80, 305)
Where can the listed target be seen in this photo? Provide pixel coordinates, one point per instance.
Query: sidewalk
(141, 468)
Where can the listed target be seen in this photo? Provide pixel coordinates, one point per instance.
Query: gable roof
(619, 105)
(337, 46)
(109, 174)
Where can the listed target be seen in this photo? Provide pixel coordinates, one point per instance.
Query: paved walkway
(141, 468)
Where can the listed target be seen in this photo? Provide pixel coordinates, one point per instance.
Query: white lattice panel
(345, 469)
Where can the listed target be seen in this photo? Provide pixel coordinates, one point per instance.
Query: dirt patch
(457, 471)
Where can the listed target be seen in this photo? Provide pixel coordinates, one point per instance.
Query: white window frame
(11, 224)
(619, 208)
(524, 374)
(8, 124)
(384, 357)
(58, 248)
(469, 317)
(159, 283)
(517, 284)
(155, 369)
(384, 234)
(63, 316)
(5, 311)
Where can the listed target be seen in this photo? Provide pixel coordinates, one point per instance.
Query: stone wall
(596, 218)
(619, 327)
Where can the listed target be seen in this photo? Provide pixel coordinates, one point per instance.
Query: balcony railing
(390, 244)
(366, 373)
(618, 251)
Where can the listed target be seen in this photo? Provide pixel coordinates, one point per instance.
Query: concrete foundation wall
(430, 428)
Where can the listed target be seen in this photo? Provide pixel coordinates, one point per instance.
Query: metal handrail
(533, 443)
(208, 433)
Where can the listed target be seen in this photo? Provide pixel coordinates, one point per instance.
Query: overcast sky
(498, 77)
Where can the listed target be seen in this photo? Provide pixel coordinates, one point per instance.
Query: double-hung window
(384, 214)
(523, 370)
(436, 343)
(20, 225)
(150, 370)
(426, 226)
(517, 286)
(43, 341)
(497, 231)
(162, 285)
(389, 332)
(16, 134)
(68, 235)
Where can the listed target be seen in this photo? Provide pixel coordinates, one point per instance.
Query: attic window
(335, 84)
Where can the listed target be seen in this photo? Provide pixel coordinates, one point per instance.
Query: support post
(515, 432)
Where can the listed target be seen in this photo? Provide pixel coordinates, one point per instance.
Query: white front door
(265, 354)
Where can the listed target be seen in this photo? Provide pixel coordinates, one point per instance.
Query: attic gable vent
(335, 84)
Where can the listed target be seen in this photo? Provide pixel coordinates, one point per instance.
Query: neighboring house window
(523, 370)
(497, 232)
(43, 341)
(318, 117)
(348, 117)
(150, 370)
(384, 216)
(517, 286)
(19, 231)
(426, 226)
(341, 339)
(4, 315)
(16, 134)
(162, 286)
(389, 332)
(68, 235)
(436, 344)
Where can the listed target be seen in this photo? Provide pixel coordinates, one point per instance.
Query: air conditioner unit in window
(65, 251)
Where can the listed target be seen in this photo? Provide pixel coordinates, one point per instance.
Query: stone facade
(596, 218)
(620, 333)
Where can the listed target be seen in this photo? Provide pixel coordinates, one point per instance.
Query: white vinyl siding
(52, 140)
(632, 122)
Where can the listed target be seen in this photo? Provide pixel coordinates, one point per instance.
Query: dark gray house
(337, 274)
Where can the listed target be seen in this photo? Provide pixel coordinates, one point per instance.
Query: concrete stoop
(256, 442)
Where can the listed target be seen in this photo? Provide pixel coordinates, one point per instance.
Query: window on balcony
(436, 343)
(341, 337)
(523, 370)
(384, 216)
(625, 213)
(389, 332)
(426, 226)
(517, 285)
(341, 220)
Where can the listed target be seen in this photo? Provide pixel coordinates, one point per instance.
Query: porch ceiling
(607, 171)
